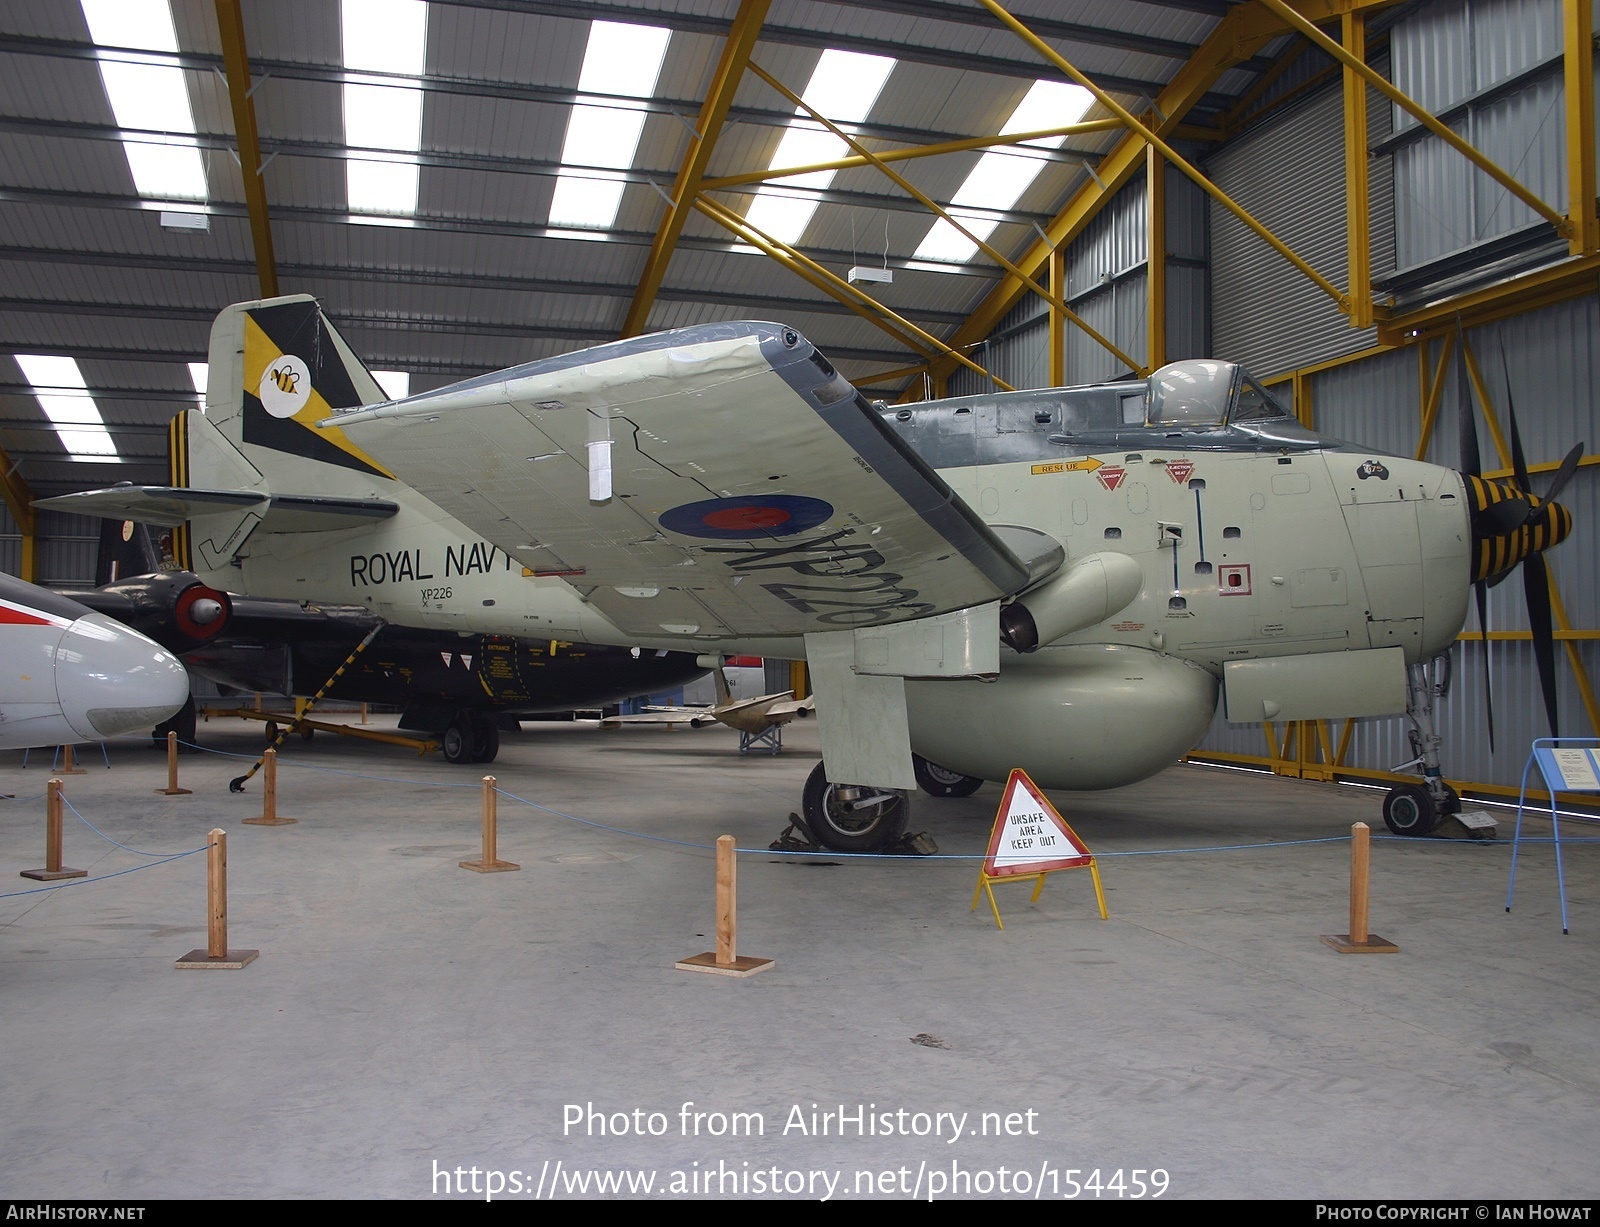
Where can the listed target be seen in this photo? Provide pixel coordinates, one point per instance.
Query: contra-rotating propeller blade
(1472, 466)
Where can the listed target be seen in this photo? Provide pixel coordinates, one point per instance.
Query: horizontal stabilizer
(169, 506)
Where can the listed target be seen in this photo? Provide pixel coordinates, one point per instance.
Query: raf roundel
(744, 519)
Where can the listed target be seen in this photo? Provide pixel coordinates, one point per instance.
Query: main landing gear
(1415, 809)
(472, 737)
(853, 817)
(939, 781)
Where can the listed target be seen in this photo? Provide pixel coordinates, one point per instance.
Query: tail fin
(278, 367)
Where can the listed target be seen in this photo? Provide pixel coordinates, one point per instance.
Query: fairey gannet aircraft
(72, 675)
(1062, 580)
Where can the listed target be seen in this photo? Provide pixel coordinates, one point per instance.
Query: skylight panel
(1001, 176)
(619, 59)
(396, 385)
(843, 86)
(59, 387)
(387, 36)
(200, 376)
(149, 97)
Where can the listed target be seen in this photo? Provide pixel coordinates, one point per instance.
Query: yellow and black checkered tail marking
(178, 475)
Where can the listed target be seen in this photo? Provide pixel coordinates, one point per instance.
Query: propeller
(1510, 526)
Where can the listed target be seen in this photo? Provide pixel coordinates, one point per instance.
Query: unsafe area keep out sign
(1029, 835)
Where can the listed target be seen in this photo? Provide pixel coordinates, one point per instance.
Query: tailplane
(257, 459)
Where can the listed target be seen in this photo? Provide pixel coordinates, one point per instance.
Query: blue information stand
(1568, 764)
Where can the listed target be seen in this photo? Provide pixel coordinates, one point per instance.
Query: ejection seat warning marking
(1087, 465)
(1179, 470)
(1031, 839)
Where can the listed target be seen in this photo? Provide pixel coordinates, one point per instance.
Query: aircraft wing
(722, 480)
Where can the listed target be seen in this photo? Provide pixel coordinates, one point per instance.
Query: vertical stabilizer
(278, 368)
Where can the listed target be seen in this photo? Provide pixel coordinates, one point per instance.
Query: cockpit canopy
(1199, 392)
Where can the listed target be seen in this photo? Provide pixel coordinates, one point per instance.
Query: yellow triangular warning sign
(1030, 836)
(1030, 840)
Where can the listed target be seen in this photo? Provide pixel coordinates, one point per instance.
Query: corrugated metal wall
(68, 548)
(1458, 52)
(1553, 359)
(1288, 173)
(1107, 285)
(10, 543)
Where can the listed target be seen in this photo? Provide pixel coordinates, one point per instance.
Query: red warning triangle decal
(1029, 835)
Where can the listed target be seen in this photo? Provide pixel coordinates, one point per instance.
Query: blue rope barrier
(108, 838)
(38, 890)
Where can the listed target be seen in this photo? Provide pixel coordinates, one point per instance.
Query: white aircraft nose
(111, 680)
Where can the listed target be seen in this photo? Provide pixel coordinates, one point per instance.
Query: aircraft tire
(459, 744)
(939, 781)
(485, 738)
(1409, 809)
(842, 830)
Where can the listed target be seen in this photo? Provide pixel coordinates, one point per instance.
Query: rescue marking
(1087, 465)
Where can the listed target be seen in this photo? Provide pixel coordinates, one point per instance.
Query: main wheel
(1409, 809)
(486, 733)
(939, 781)
(459, 745)
(844, 829)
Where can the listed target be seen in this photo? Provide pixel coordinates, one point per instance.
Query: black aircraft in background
(459, 687)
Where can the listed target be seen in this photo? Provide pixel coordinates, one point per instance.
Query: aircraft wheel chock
(844, 829)
(1409, 809)
(939, 781)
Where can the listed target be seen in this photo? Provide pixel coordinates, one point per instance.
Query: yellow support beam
(1238, 36)
(1565, 632)
(1578, 30)
(1432, 394)
(862, 303)
(1358, 239)
(19, 502)
(236, 61)
(1055, 300)
(909, 152)
(1172, 155)
(1155, 196)
(736, 51)
(1406, 103)
(1056, 325)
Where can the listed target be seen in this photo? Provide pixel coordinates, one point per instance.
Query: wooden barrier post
(216, 953)
(53, 869)
(172, 789)
(1358, 940)
(69, 765)
(725, 960)
(269, 794)
(491, 862)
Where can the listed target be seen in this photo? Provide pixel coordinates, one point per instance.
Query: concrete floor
(407, 1017)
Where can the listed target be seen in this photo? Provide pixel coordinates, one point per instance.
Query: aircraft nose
(1508, 525)
(112, 680)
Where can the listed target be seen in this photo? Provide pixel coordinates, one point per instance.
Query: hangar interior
(462, 222)
(1355, 199)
